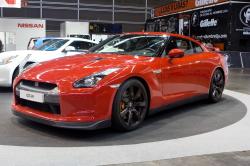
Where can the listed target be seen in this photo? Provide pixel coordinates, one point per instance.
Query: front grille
(42, 85)
(51, 97)
(43, 107)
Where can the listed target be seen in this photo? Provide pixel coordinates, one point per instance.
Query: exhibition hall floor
(191, 130)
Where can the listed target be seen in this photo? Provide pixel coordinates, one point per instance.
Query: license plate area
(32, 96)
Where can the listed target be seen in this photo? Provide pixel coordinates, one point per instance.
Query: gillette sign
(183, 5)
(10, 3)
(208, 23)
(199, 3)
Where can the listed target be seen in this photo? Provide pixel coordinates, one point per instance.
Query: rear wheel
(130, 106)
(217, 86)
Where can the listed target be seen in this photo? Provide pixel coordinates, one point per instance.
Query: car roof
(162, 34)
(168, 34)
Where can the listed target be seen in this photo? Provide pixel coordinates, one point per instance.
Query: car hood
(30, 53)
(41, 56)
(79, 66)
(22, 53)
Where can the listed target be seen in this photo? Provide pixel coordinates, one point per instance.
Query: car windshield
(138, 45)
(52, 45)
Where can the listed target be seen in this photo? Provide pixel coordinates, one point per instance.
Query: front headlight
(91, 81)
(4, 61)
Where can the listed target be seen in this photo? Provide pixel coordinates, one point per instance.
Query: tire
(217, 86)
(130, 106)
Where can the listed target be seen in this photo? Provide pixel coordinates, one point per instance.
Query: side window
(185, 45)
(182, 44)
(171, 45)
(44, 41)
(81, 45)
(197, 48)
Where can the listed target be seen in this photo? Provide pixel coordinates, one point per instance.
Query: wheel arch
(216, 68)
(114, 120)
(145, 84)
(15, 72)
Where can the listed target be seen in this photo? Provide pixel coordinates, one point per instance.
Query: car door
(201, 68)
(80, 47)
(178, 73)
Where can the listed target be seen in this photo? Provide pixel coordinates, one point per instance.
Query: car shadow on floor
(150, 130)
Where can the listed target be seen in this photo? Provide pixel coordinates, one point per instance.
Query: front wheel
(217, 86)
(130, 106)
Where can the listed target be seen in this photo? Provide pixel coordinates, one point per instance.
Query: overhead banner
(242, 20)
(210, 23)
(183, 5)
(10, 3)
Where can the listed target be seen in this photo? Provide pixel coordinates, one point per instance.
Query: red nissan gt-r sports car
(119, 82)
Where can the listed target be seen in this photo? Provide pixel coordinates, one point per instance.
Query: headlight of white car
(4, 61)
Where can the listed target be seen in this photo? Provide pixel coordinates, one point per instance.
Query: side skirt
(177, 104)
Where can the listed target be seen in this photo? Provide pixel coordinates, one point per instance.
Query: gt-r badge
(36, 84)
(157, 71)
(116, 86)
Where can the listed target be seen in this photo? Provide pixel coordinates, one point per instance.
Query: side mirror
(176, 53)
(69, 49)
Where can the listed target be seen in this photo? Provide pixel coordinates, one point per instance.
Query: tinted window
(185, 45)
(182, 44)
(132, 44)
(81, 45)
(197, 48)
(52, 45)
(46, 40)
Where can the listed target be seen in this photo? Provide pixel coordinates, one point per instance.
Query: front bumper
(69, 125)
(6, 73)
(76, 109)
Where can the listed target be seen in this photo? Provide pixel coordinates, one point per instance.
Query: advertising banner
(241, 27)
(183, 5)
(242, 19)
(10, 3)
(211, 23)
(18, 32)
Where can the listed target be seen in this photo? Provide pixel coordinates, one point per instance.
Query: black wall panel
(246, 59)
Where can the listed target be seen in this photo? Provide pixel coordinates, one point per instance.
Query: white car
(12, 62)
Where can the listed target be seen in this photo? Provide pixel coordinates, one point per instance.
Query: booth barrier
(238, 59)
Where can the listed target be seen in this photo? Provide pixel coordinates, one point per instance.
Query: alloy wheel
(132, 106)
(217, 86)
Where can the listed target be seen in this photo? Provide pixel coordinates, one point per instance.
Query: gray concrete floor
(225, 159)
(239, 80)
